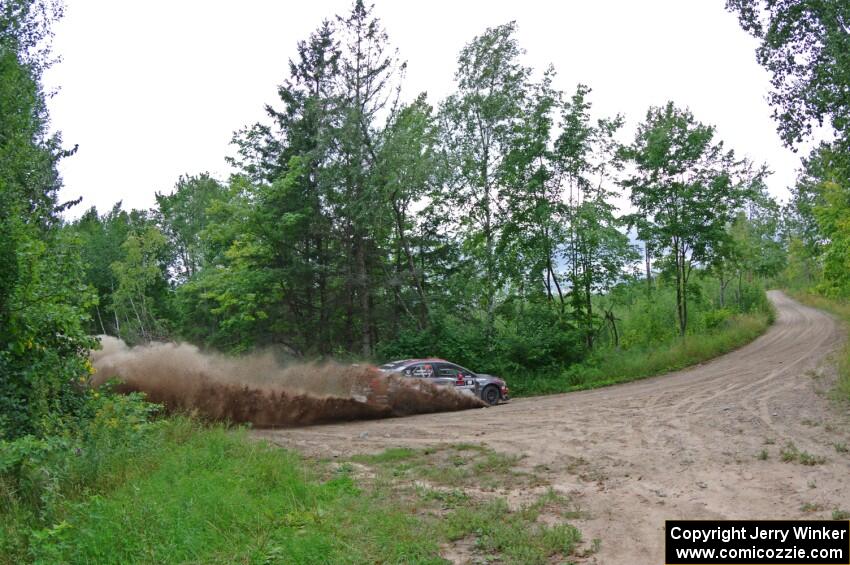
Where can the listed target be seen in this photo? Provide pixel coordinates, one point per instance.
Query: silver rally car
(490, 389)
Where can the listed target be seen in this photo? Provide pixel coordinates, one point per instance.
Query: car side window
(452, 371)
(423, 371)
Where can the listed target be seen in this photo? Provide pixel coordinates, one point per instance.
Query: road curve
(677, 446)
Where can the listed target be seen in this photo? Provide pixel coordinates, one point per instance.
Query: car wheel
(491, 395)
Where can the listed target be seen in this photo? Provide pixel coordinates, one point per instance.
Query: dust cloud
(257, 389)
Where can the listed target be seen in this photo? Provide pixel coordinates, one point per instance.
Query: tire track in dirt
(682, 445)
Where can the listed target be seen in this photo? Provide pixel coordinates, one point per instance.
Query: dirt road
(683, 445)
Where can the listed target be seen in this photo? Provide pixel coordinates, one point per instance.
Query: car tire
(491, 395)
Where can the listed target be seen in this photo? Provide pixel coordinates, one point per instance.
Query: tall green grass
(135, 490)
(612, 366)
(209, 495)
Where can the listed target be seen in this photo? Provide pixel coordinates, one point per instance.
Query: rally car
(490, 389)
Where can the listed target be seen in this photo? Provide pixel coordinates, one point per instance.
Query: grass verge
(617, 366)
(841, 310)
(455, 490)
(176, 491)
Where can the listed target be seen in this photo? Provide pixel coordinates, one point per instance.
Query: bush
(38, 476)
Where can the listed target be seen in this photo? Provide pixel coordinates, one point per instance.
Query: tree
(805, 44)
(832, 213)
(408, 173)
(815, 221)
(43, 299)
(141, 284)
(596, 251)
(685, 189)
(101, 239)
(367, 91)
(481, 123)
(533, 208)
(183, 218)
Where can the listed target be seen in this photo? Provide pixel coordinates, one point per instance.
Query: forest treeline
(485, 227)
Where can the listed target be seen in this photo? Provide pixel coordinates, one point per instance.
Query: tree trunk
(99, 319)
(365, 302)
(589, 310)
(115, 312)
(680, 288)
(420, 289)
(141, 325)
(740, 291)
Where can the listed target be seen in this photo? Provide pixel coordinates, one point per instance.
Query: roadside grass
(210, 495)
(511, 536)
(451, 465)
(612, 366)
(180, 491)
(452, 486)
(840, 309)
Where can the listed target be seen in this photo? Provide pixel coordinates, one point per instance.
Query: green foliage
(818, 224)
(483, 231)
(649, 342)
(804, 45)
(686, 189)
(183, 217)
(538, 350)
(43, 297)
(144, 490)
(139, 274)
(833, 218)
(515, 536)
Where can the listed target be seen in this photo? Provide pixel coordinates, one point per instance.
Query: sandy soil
(678, 446)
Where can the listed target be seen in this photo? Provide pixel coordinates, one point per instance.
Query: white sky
(151, 90)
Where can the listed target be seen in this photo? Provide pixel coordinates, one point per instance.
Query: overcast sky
(151, 90)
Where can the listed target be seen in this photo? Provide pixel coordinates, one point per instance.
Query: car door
(456, 375)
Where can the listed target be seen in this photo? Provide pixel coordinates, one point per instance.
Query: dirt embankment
(713, 442)
(257, 389)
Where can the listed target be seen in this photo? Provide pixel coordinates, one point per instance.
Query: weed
(811, 507)
(499, 533)
(595, 545)
(763, 455)
(513, 537)
(387, 456)
(790, 454)
(840, 447)
(840, 515)
(806, 458)
(448, 498)
(451, 465)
